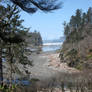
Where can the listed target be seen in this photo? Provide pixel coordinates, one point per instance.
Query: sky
(50, 25)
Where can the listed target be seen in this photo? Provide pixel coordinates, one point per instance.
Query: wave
(52, 44)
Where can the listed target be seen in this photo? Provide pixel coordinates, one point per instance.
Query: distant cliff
(34, 38)
(54, 40)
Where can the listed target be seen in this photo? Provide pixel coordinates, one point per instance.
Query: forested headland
(77, 48)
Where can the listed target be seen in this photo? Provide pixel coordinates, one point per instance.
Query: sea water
(52, 46)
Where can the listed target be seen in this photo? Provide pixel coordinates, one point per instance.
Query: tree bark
(1, 68)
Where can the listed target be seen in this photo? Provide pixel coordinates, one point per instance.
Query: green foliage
(12, 36)
(78, 18)
(73, 57)
(34, 80)
(90, 50)
(89, 56)
(74, 29)
(84, 19)
(89, 15)
(14, 29)
(79, 67)
(67, 30)
(6, 88)
(32, 6)
(10, 25)
(73, 52)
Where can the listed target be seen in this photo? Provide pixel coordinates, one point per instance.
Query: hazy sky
(50, 24)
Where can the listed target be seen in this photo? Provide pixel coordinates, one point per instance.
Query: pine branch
(32, 6)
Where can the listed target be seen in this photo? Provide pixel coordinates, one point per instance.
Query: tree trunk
(62, 86)
(1, 68)
(11, 60)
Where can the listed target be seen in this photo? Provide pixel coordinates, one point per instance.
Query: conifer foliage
(72, 30)
(32, 6)
(12, 42)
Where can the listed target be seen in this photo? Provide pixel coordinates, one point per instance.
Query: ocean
(52, 45)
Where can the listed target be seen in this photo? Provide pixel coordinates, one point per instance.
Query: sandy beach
(47, 65)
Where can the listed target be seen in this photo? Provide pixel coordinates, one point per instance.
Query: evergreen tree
(78, 18)
(89, 16)
(39, 39)
(13, 31)
(84, 19)
(71, 29)
(66, 30)
(72, 22)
